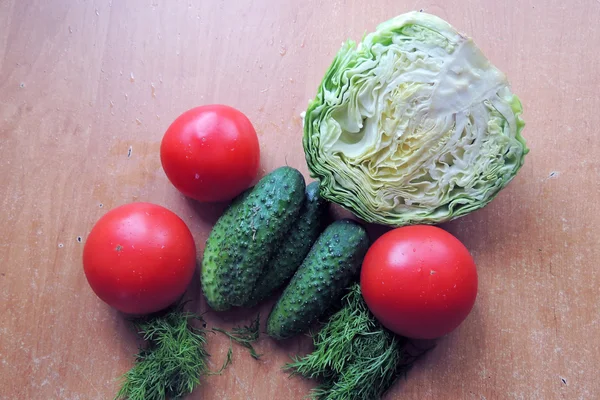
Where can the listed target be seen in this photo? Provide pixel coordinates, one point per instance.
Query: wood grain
(84, 82)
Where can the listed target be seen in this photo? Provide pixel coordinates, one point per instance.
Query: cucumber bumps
(294, 246)
(247, 235)
(326, 272)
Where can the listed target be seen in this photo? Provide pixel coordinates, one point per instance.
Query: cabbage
(413, 125)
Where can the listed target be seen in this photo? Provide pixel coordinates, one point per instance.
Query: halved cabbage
(413, 125)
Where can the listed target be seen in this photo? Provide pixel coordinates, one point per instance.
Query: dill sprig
(226, 363)
(245, 335)
(354, 357)
(173, 360)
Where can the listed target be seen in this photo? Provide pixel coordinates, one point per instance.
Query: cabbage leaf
(413, 125)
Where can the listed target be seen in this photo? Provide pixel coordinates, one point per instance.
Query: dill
(354, 356)
(172, 361)
(226, 364)
(245, 335)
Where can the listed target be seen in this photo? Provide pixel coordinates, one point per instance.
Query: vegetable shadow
(337, 212)
(193, 294)
(208, 212)
(495, 227)
(295, 346)
(235, 315)
(125, 331)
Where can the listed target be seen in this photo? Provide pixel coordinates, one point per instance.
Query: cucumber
(327, 270)
(294, 246)
(216, 240)
(246, 236)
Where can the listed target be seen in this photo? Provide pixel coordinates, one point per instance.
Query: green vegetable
(354, 357)
(174, 359)
(245, 336)
(246, 236)
(413, 125)
(294, 247)
(321, 279)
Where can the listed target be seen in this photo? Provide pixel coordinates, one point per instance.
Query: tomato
(211, 153)
(139, 258)
(419, 281)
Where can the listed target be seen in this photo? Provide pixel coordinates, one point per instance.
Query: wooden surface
(87, 88)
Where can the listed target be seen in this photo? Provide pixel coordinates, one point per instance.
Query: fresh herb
(245, 336)
(227, 362)
(354, 357)
(173, 360)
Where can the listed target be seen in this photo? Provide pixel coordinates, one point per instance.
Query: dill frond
(172, 361)
(226, 363)
(245, 335)
(354, 356)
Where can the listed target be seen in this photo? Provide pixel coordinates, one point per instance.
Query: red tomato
(419, 281)
(139, 258)
(211, 153)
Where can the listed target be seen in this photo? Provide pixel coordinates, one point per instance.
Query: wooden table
(87, 89)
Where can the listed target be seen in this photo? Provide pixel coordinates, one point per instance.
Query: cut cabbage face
(413, 125)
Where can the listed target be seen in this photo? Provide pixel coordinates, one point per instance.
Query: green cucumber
(294, 246)
(319, 283)
(246, 236)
